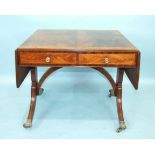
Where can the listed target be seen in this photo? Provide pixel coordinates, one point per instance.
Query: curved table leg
(120, 73)
(115, 91)
(43, 78)
(28, 122)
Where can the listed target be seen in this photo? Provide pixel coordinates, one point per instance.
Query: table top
(78, 47)
(77, 40)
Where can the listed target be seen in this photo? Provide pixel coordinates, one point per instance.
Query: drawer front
(109, 59)
(42, 58)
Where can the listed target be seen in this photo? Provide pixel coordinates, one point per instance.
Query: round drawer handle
(106, 60)
(48, 59)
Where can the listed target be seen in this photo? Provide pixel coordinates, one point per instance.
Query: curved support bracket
(99, 69)
(53, 69)
(45, 75)
(107, 75)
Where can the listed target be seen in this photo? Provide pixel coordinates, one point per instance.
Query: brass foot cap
(27, 124)
(122, 127)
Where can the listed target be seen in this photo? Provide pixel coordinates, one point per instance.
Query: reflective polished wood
(91, 48)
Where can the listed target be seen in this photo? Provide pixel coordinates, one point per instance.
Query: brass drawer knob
(106, 60)
(48, 59)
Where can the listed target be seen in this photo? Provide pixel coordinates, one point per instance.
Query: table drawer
(42, 58)
(109, 59)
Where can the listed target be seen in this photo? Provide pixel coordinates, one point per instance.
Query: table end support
(119, 80)
(28, 122)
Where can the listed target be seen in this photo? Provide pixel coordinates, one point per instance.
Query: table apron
(73, 59)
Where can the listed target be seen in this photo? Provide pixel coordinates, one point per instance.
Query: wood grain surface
(78, 48)
(111, 59)
(77, 40)
(93, 48)
(40, 58)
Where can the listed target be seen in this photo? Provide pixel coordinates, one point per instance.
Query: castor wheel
(41, 90)
(27, 124)
(111, 93)
(122, 127)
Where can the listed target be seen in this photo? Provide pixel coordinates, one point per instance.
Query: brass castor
(27, 124)
(111, 93)
(122, 127)
(41, 90)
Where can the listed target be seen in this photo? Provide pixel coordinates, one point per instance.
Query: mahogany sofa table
(65, 48)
